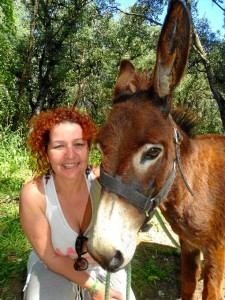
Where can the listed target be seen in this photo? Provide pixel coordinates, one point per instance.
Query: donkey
(149, 161)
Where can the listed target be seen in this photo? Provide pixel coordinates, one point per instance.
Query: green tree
(7, 54)
(76, 49)
(205, 45)
(68, 52)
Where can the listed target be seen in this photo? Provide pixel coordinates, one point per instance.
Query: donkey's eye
(151, 154)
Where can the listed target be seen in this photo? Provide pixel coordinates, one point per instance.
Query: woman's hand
(113, 294)
(99, 293)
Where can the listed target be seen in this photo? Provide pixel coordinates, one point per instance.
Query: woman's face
(67, 151)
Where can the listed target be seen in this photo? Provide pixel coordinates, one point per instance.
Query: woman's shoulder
(32, 190)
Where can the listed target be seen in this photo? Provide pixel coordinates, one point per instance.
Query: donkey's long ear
(127, 79)
(172, 50)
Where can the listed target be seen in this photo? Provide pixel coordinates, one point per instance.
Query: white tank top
(63, 236)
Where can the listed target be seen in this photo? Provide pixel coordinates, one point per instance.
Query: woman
(56, 210)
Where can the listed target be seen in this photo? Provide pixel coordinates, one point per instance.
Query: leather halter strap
(148, 204)
(115, 185)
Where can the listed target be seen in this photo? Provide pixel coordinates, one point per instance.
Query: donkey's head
(137, 145)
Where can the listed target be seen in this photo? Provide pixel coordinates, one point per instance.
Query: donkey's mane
(185, 119)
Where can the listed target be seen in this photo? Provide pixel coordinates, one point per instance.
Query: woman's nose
(70, 152)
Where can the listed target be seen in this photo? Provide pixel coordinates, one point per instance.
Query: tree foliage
(67, 52)
(7, 54)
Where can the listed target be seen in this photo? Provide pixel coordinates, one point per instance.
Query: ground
(156, 254)
(163, 263)
(155, 269)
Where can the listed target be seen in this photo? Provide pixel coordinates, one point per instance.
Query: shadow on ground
(156, 272)
(14, 288)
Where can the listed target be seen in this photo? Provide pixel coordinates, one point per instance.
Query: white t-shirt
(63, 236)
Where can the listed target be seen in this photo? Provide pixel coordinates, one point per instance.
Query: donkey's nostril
(116, 261)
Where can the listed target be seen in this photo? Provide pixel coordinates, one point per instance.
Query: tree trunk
(209, 72)
(26, 68)
(30, 49)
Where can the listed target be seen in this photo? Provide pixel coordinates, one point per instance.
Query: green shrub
(14, 169)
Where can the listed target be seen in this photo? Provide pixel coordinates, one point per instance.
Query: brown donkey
(149, 160)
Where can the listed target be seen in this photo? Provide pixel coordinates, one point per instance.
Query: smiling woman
(57, 208)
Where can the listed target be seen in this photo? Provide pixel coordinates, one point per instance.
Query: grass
(14, 251)
(14, 162)
(14, 247)
(149, 269)
(152, 265)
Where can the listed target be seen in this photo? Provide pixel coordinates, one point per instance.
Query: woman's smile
(70, 166)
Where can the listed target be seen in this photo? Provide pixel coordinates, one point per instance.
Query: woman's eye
(151, 154)
(79, 145)
(58, 147)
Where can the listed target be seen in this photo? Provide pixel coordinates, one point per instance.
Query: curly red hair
(41, 125)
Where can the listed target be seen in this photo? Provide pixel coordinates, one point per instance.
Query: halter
(150, 203)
